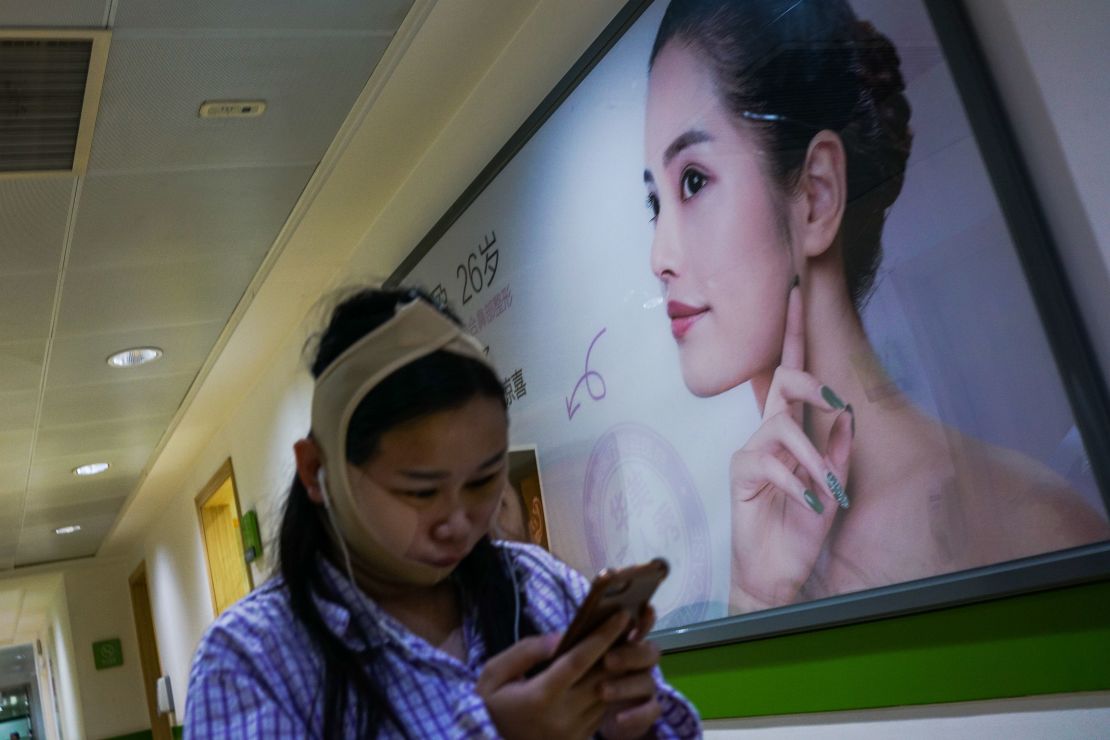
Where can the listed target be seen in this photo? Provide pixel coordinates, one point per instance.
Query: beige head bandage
(417, 329)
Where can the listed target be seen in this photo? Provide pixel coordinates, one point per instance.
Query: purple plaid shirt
(256, 673)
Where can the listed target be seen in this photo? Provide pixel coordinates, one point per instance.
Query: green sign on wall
(107, 654)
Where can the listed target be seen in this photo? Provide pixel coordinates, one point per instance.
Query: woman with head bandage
(393, 613)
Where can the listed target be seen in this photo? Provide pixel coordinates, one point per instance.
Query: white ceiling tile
(21, 365)
(29, 554)
(53, 496)
(15, 447)
(126, 462)
(76, 513)
(42, 545)
(37, 599)
(17, 410)
(77, 491)
(9, 536)
(154, 87)
(99, 300)
(9, 539)
(26, 302)
(30, 617)
(13, 480)
(256, 14)
(143, 398)
(33, 212)
(53, 13)
(30, 626)
(52, 482)
(31, 621)
(57, 472)
(82, 359)
(103, 436)
(182, 214)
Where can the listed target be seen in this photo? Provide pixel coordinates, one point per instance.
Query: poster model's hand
(784, 491)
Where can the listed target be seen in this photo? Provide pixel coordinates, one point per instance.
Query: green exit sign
(107, 654)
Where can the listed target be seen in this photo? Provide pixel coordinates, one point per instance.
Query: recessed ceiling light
(68, 530)
(95, 468)
(134, 357)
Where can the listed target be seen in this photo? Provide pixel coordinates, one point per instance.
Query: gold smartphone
(614, 589)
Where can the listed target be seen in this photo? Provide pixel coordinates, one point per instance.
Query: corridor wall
(112, 700)
(1032, 58)
(58, 644)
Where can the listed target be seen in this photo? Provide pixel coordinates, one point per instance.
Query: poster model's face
(720, 248)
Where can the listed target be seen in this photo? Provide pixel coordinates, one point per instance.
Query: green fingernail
(831, 397)
(813, 501)
(849, 409)
(837, 490)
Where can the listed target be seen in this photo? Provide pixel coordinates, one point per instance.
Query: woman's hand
(562, 701)
(785, 492)
(629, 685)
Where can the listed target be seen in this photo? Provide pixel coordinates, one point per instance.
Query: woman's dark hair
(435, 382)
(795, 67)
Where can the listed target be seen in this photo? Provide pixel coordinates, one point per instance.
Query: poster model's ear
(822, 193)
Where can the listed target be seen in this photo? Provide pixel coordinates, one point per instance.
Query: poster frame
(1075, 359)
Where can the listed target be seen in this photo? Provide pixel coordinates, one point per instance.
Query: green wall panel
(1043, 643)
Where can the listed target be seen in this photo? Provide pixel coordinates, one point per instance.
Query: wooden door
(148, 651)
(229, 577)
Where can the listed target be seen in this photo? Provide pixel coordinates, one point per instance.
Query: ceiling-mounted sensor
(232, 108)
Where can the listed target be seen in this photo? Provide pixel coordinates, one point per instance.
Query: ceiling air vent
(49, 91)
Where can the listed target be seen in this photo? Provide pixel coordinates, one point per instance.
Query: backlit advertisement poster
(758, 310)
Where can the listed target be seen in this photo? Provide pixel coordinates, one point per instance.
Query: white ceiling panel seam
(63, 262)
